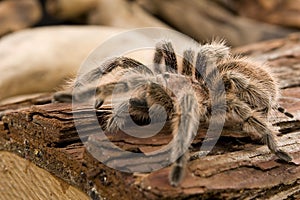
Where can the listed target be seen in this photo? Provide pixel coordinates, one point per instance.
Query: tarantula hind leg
(137, 109)
(143, 108)
(253, 120)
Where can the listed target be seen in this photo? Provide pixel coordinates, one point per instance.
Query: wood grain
(21, 179)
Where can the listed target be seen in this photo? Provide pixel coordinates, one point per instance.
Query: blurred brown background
(238, 21)
(38, 53)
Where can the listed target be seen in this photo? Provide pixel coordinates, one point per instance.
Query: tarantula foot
(283, 156)
(98, 103)
(114, 124)
(62, 97)
(176, 176)
(198, 155)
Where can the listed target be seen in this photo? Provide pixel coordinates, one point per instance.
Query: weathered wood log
(122, 13)
(64, 9)
(16, 15)
(286, 13)
(56, 56)
(205, 19)
(44, 133)
(32, 182)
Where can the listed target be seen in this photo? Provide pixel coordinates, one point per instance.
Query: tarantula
(249, 90)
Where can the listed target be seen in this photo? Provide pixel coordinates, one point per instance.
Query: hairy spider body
(249, 90)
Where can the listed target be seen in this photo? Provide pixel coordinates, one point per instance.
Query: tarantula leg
(208, 55)
(125, 63)
(201, 63)
(103, 91)
(136, 108)
(117, 119)
(254, 121)
(282, 110)
(270, 141)
(97, 73)
(187, 63)
(140, 111)
(158, 95)
(141, 106)
(178, 170)
(139, 114)
(110, 65)
(251, 93)
(236, 81)
(62, 96)
(165, 50)
(216, 50)
(207, 71)
(185, 125)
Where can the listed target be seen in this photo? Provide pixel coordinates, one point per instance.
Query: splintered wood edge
(21, 179)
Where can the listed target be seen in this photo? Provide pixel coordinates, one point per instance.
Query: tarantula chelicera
(207, 74)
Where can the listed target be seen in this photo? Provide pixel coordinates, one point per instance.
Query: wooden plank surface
(44, 133)
(21, 179)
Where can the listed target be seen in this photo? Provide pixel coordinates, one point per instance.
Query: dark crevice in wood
(288, 126)
(291, 85)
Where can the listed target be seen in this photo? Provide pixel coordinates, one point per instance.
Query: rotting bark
(44, 133)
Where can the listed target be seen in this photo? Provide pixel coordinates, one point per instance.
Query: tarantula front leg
(101, 92)
(187, 62)
(121, 63)
(137, 108)
(118, 118)
(185, 125)
(95, 74)
(143, 104)
(165, 50)
(248, 91)
(252, 93)
(262, 127)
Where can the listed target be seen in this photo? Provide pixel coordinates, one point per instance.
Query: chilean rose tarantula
(249, 92)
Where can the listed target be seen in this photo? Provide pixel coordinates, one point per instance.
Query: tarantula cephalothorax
(250, 93)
